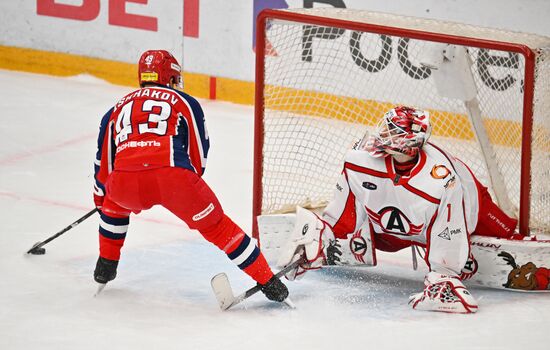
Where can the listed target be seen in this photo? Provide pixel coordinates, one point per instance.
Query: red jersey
(149, 128)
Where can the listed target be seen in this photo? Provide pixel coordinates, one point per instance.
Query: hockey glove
(275, 290)
(334, 252)
(98, 201)
(105, 270)
(443, 293)
(99, 197)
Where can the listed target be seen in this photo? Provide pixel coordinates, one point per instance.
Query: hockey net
(325, 76)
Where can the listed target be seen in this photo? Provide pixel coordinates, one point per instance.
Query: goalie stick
(224, 293)
(37, 249)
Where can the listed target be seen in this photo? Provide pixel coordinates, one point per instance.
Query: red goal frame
(528, 96)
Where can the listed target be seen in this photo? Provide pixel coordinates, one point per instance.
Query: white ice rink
(161, 298)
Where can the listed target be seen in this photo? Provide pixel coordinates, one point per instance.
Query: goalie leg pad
(308, 239)
(445, 294)
(305, 237)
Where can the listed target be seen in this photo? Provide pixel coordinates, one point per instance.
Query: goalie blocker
(313, 240)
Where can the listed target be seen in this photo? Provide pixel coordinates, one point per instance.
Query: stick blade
(222, 291)
(37, 249)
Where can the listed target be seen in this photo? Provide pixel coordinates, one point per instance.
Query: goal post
(325, 76)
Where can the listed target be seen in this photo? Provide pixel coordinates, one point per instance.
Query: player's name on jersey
(155, 93)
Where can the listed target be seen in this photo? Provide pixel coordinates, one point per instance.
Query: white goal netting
(329, 78)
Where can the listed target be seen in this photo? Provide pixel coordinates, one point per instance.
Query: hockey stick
(224, 293)
(37, 247)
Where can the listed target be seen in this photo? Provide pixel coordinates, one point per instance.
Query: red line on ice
(78, 207)
(47, 149)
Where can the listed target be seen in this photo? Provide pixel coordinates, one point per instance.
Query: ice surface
(161, 298)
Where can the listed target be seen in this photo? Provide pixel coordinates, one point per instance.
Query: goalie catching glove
(443, 293)
(309, 240)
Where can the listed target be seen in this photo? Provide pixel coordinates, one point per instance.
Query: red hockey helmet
(159, 67)
(402, 130)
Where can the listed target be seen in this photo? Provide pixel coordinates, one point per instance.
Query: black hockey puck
(38, 251)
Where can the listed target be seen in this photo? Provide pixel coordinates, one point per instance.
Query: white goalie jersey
(435, 207)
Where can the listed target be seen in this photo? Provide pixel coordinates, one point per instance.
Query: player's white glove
(443, 293)
(309, 239)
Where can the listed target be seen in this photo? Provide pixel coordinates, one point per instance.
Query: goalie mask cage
(325, 76)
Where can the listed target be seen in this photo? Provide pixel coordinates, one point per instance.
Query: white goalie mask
(402, 131)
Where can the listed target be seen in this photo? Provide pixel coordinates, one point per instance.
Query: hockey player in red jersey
(152, 149)
(398, 190)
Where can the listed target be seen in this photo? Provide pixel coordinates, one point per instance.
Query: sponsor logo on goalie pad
(469, 269)
(527, 276)
(514, 265)
(487, 245)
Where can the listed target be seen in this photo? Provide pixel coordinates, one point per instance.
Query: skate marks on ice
(180, 272)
